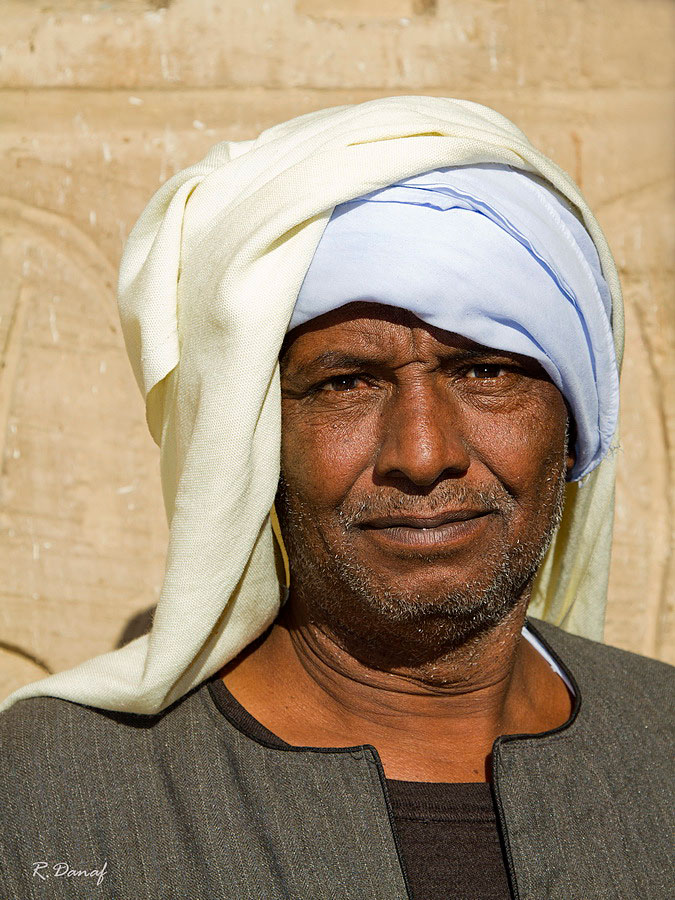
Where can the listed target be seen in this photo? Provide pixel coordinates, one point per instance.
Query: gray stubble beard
(387, 627)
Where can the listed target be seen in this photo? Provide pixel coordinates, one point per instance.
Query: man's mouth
(405, 520)
(449, 528)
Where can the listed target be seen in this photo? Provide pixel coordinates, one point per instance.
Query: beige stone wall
(101, 102)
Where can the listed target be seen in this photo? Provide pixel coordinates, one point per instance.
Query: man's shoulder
(45, 738)
(44, 717)
(48, 737)
(610, 675)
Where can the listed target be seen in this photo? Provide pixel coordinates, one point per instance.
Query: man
(397, 318)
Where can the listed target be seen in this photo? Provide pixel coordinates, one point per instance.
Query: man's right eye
(341, 383)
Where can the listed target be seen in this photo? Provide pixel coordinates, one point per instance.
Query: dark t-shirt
(447, 833)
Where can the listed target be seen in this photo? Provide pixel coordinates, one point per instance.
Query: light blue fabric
(490, 253)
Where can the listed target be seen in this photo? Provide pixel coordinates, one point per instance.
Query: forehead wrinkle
(364, 341)
(424, 340)
(367, 322)
(352, 342)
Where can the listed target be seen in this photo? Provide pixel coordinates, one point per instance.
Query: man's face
(422, 477)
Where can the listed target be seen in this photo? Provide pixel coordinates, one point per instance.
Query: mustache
(444, 498)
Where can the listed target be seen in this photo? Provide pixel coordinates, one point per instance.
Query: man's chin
(436, 606)
(421, 616)
(425, 575)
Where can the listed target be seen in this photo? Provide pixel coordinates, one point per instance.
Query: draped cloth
(208, 282)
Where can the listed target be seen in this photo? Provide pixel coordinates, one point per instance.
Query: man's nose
(421, 437)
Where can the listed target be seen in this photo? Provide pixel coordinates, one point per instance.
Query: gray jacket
(183, 805)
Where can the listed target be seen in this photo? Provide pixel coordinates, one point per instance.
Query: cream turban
(208, 282)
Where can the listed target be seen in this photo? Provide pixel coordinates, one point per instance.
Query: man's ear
(571, 459)
(571, 442)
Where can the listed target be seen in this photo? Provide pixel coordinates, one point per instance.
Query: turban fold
(208, 284)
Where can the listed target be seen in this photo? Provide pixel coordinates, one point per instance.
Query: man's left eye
(486, 371)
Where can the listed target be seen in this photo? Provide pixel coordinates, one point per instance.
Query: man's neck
(435, 722)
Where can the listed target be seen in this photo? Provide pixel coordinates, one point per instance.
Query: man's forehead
(370, 330)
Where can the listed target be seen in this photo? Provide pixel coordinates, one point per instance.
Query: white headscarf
(208, 282)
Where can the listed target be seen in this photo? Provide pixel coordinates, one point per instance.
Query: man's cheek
(326, 463)
(508, 451)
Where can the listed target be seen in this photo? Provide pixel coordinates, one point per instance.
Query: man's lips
(424, 522)
(441, 532)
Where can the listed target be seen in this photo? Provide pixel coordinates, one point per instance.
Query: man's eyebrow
(330, 360)
(334, 359)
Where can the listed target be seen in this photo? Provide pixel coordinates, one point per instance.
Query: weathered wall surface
(101, 102)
